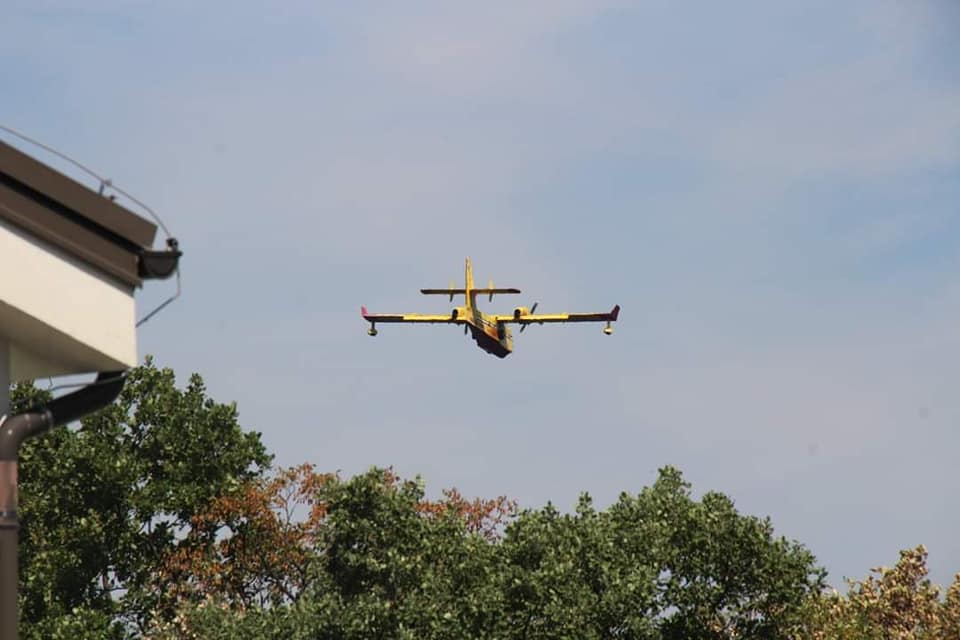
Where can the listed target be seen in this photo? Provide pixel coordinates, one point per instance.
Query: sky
(769, 190)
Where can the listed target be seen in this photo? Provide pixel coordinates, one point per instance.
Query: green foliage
(655, 565)
(658, 564)
(575, 576)
(388, 570)
(387, 564)
(78, 624)
(103, 504)
(156, 519)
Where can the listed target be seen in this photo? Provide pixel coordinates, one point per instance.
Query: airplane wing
(540, 318)
(409, 317)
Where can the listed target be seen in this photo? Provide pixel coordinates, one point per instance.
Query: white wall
(59, 315)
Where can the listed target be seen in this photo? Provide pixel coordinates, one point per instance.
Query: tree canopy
(102, 505)
(161, 517)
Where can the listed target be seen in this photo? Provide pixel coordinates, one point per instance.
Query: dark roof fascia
(76, 197)
(71, 217)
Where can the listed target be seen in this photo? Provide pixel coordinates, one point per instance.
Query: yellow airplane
(490, 331)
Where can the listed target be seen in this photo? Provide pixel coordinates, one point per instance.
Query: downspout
(14, 431)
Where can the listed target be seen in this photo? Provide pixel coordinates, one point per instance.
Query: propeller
(533, 310)
(490, 287)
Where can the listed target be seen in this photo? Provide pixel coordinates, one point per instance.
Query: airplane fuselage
(491, 336)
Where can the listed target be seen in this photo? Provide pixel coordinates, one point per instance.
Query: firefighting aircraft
(490, 331)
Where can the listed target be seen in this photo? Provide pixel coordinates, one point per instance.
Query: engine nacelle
(520, 311)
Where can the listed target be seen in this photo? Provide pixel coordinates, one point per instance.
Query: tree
(656, 564)
(250, 546)
(897, 603)
(103, 504)
(158, 518)
(576, 575)
(253, 545)
(388, 564)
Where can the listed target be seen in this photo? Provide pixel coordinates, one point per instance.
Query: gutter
(15, 430)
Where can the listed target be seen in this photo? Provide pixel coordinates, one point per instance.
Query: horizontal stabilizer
(491, 292)
(460, 292)
(443, 292)
(487, 291)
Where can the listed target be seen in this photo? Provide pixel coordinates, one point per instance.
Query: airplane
(490, 331)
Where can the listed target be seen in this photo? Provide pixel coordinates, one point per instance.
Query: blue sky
(768, 189)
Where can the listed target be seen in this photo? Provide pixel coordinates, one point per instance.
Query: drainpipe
(14, 431)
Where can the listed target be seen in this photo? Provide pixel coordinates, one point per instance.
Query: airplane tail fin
(468, 279)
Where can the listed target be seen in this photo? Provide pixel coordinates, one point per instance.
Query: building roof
(73, 218)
